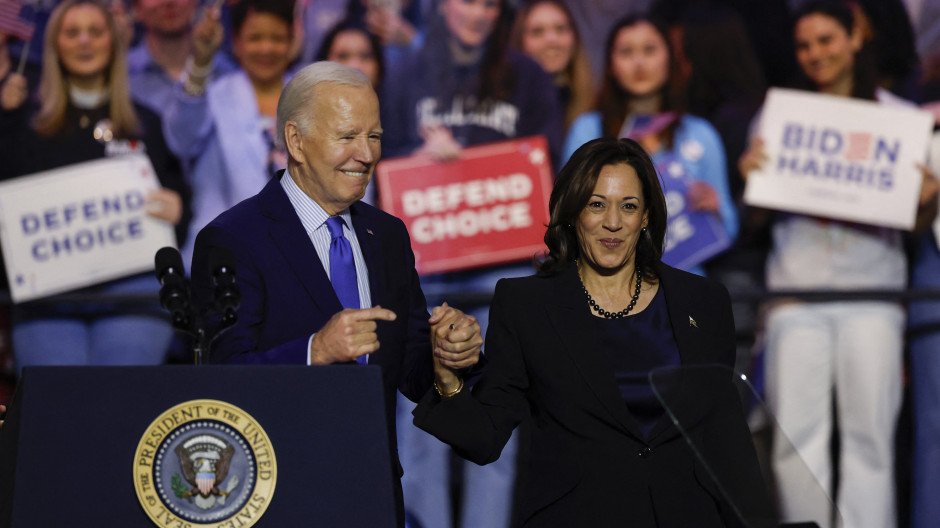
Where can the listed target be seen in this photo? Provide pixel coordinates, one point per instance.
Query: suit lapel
(291, 240)
(371, 253)
(582, 343)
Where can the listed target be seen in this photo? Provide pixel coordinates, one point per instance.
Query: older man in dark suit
(324, 277)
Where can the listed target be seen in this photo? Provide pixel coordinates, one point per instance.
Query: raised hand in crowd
(389, 25)
(14, 92)
(208, 34)
(124, 21)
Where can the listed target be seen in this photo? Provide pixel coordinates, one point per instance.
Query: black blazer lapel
(291, 241)
(583, 345)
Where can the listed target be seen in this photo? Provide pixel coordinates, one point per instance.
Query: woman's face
(548, 38)
(825, 50)
(262, 47)
(84, 42)
(471, 22)
(640, 59)
(609, 225)
(352, 48)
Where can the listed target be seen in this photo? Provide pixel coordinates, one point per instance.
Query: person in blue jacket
(642, 97)
(224, 129)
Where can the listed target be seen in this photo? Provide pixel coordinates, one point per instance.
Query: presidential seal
(205, 463)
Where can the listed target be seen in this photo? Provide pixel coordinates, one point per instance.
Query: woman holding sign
(850, 352)
(86, 113)
(642, 97)
(574, 349)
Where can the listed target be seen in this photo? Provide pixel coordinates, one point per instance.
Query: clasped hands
(455, 337)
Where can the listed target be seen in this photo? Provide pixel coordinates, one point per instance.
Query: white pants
(851, 351)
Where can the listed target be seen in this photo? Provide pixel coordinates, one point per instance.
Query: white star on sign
(537, 157)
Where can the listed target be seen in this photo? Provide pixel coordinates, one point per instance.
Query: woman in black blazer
(572, 347)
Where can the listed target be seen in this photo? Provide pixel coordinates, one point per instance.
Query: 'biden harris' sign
(79, 225)
(840, 158)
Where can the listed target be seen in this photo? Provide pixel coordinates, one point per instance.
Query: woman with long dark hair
(465, 87)
(574, 350)
(642, 96)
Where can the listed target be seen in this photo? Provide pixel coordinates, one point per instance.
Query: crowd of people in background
(198, 85)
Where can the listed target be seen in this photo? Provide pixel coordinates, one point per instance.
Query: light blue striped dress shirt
(313, 218)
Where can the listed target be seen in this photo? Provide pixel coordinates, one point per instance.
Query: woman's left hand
(455, 337)
(702, 197)
(165, 204)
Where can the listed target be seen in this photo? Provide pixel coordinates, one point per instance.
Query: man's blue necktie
(342, 268)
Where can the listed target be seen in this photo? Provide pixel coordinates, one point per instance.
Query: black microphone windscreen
(221, 258)
(167, 258)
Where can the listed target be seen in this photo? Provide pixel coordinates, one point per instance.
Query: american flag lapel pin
(692, 322)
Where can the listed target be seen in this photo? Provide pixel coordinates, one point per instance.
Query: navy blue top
(636, 345)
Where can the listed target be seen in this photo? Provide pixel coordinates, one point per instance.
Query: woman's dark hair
(355, 25)
(496, 80)
(613, 101)
(864, 71)
(283, 9)
(573, 189)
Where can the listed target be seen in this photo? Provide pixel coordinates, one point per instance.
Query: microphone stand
(175, 298)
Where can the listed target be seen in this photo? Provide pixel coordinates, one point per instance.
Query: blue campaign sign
(692, 237)
(840, 158)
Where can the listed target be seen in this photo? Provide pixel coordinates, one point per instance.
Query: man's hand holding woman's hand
(456, 341)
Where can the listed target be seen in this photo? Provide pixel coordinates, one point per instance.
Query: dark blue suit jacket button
(645, 452)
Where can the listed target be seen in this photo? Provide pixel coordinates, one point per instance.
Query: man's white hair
(297, 100)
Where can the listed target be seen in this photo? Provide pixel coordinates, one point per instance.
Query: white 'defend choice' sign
(79, 225)
(840, 158)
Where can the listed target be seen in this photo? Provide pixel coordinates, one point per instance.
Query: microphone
(228, 296)
(174, 293)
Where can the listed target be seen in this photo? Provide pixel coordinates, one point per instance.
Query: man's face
(165, 17)
(335, 160)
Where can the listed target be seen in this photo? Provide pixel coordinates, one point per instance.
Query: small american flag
(11, 23)
(858, 147)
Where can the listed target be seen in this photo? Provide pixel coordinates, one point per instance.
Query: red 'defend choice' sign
(488, 207)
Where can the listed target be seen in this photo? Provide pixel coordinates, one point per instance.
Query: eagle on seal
(204, 461)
